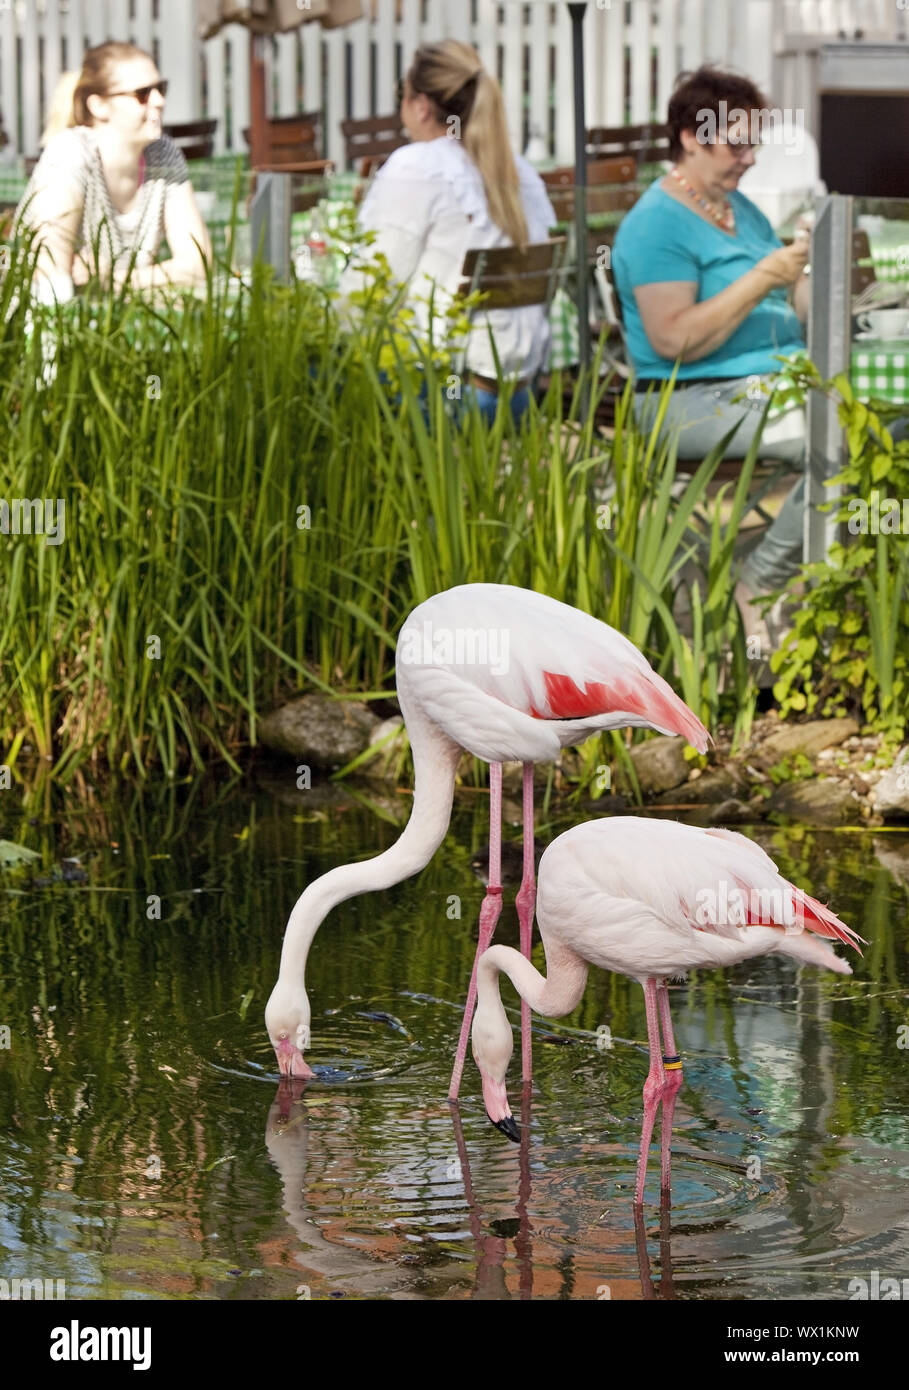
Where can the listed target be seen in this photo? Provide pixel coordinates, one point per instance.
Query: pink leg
(672, 1065)
(653, 1086)
(525, 902)
(489, 915)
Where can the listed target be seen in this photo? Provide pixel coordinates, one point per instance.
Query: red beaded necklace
(725, 219)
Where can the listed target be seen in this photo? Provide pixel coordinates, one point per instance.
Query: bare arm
(54, 211)
(678, 327)
(801, 297)
(189, 242)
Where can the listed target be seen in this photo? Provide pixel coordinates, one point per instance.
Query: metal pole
(829, 347)
(269, 222)
(580, 183)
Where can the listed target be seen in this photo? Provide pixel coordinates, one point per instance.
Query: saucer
(867, 337)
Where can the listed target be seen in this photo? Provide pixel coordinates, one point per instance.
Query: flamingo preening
(651, 899)
(508, 675)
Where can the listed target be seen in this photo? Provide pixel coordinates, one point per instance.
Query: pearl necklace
(725, 219)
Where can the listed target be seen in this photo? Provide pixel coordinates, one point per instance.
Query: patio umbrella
(264, 18)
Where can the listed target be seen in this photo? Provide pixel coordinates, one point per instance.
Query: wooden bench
(371, 141)
(196, 139)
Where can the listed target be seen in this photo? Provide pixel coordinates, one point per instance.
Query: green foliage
(848, 651)
(257, 490)
(791, 769)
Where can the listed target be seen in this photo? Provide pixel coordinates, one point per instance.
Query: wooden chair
(646, 144)
(7, 217)
(292, 145)
(512, 279)
(863, 273)
(611, 187)
(371, 141)
(195, 138)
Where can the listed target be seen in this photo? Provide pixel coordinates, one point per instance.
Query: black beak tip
(508, 1127)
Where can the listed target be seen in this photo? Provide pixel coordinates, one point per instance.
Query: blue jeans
(702, 415)
(487, 402)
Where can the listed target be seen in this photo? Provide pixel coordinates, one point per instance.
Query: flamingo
(507, 674)
(650, 899)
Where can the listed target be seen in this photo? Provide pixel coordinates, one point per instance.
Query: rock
(715, 784)
(659, 763)
(894, 857)
(321, 795)
(807, 738)
(513, 776)
(891, 792)
(825, 801)
(384, 763)
(319, 730)
(731, 812)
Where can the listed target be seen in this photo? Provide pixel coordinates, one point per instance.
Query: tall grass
(252, 508)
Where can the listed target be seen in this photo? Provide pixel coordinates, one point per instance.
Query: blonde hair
(452, 75)
(69, 104)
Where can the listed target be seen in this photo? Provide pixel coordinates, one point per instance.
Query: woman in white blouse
(455, 187)
(109, 181)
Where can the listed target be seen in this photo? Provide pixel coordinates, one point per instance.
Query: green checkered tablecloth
(881, 369)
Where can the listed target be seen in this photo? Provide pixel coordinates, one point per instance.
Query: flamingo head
(287, 1020)
(492, 1044)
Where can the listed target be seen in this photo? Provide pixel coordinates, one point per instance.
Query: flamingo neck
(552, 995)
(435, 759)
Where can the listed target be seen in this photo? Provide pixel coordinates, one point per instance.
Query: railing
(634, 50)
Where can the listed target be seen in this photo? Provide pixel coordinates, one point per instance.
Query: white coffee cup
(885, 323)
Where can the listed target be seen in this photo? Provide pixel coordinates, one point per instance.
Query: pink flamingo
(506, 674)
(651, 899)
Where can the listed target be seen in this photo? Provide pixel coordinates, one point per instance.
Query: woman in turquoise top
(704, 281)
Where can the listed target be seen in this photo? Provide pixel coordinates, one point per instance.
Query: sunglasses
(142, 94)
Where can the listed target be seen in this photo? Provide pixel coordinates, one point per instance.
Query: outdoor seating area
(455, 493)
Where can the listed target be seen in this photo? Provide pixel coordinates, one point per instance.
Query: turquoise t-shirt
(662, 239)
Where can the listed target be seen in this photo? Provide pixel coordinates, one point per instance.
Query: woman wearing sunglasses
(110, 186)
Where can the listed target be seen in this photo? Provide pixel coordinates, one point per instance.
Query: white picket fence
(634, 50)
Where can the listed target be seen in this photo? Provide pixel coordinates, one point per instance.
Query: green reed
(253, 503)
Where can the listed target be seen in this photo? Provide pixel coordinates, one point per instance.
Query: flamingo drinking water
(506, 674)
(651, 899)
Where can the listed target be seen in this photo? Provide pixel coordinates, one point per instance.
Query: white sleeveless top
(427, 206)
(72, 156)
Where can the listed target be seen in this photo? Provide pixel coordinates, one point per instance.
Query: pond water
(147, 1149)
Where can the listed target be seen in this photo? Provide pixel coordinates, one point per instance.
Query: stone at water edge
(660, 765)
(716, 784)
(319, 730)
(808, 738)
(381, 764)
(821, 801)
(891, 792)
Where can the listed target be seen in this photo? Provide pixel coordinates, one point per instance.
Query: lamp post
(577, 11)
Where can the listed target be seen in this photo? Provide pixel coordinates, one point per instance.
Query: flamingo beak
(508, 1127)
(497, 1107)
(290, 1060)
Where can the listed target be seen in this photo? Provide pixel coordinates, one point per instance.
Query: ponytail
(455, 80)
(486, 141)
(60, 114)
